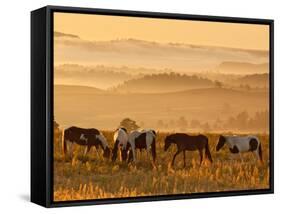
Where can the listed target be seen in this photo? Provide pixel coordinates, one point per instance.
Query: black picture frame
(42, 104)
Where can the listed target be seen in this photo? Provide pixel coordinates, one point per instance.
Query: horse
(241, 144)
(84, 137)
(120, 142)
(191, 143)
(144, 139)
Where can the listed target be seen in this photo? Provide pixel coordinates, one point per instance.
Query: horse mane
(124, 129)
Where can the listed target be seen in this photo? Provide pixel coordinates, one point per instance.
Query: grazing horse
(120, 143)
(191, 143)
(144, 139)
(85, 137)
(241, 144)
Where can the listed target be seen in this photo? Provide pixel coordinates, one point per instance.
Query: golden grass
(92, 177)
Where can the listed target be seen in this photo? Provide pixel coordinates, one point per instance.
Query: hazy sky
(101, 28)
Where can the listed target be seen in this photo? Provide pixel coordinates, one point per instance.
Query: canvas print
(153, 107)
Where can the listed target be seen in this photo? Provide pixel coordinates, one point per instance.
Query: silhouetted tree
(129, 124)
(160, 124)
(218, 84)
(182, 123)
(194, 124)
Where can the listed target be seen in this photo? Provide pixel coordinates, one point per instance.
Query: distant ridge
(151, 54)
(164, 82)
(76, 89)
(243, 67)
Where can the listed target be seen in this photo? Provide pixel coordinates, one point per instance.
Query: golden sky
(101, 28)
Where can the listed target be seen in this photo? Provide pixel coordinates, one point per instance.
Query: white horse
(120, 141)
(144, 139)
(241, 144)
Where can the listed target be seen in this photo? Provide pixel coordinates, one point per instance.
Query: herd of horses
(126, 144)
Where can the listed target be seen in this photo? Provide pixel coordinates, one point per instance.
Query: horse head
(124, 152)
(168, 141)
(101, 140)
(221, 143)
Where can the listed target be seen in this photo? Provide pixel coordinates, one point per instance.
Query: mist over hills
(77, 89)
(99, 83)
(87, 107)
(95, 76)
(139, 53)
(126, 79)
(254, 80)
(242, 67)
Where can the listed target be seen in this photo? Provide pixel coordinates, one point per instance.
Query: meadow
(92, 177)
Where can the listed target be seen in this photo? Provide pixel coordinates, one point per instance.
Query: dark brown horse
(191, 143)
(85, 137)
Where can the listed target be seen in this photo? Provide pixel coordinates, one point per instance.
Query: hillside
(243, 67)
(97, 76)
(77, 89)
(254, 80)
(164, 82)
(89, 108)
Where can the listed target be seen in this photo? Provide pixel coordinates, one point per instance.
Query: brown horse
(191, 143)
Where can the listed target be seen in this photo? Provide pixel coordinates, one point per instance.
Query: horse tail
(131, 157)
(260, 152)
(153, 149)
(207, 151)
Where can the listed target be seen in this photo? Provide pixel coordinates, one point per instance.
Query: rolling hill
(254, 80)
(243, 67)
(88, 107)
(162, 83)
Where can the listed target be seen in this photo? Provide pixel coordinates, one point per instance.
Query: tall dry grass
(92, 177)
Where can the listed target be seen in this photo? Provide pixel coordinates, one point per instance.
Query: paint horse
(144, 139)
(241, 144)
(85, 137)
(120, 138)
(190, 143)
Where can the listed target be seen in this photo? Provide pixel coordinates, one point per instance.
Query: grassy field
(92, 177)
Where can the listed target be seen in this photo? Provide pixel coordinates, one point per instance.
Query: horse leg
(175, 157)
(134, 153)
(184, 159)
(97, 151)
(120, 155)
(71, 149)
(148, 150)
(153, 151)
(241, 159)
(257, 154)
(201, 156)
(86, 150)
